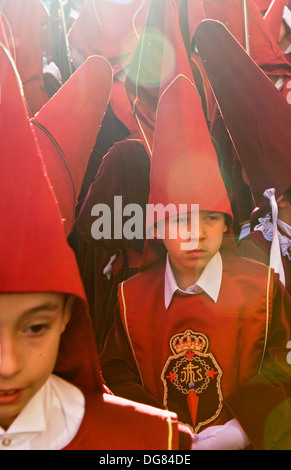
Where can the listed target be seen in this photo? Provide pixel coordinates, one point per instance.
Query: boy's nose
(10, 358)
(202, 231)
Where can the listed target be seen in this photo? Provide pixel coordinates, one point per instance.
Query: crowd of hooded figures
(145, 273)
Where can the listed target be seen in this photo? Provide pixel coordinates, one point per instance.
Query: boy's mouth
(9, 396)
(196, 252)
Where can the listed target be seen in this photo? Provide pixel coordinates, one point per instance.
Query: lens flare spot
(156, 63)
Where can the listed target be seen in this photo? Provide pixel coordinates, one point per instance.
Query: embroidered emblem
(191, 379)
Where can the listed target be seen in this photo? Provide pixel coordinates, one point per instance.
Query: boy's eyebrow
(46, 306)
(212, 212)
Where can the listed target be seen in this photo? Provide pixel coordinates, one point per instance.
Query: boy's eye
(212, 217)
(35, 330)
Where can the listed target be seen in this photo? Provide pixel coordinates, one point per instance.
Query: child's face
(30, 330)
(207, 240)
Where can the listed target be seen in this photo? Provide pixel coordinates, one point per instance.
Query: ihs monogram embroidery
(191, 379)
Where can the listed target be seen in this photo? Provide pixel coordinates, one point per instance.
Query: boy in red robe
(52, 394)
(201, 331)
(261, 137)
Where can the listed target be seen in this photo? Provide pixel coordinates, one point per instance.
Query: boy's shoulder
(255, 246)
(257, 238)
(151, 273)
(239, 266)
(112, 422)
(238, 262)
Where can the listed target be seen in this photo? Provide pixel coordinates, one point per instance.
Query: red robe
(124, 172)
(220, 349)
(112, 423)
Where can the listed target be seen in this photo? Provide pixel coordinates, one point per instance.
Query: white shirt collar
(209, 281)
(49, 421)
(31, 419)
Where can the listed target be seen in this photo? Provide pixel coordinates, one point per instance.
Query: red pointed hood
(111, 29)
(263, 47)
(191, 13)
(34, 254)
(273, 17)
(252, 108)
(196, 14)
(287, 16)
(263, 5)
(27, 29)
(3, 35)
(184, 167)
(121, 106)
(67, 127)
(144, 76)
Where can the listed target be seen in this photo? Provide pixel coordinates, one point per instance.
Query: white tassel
(275, 253)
